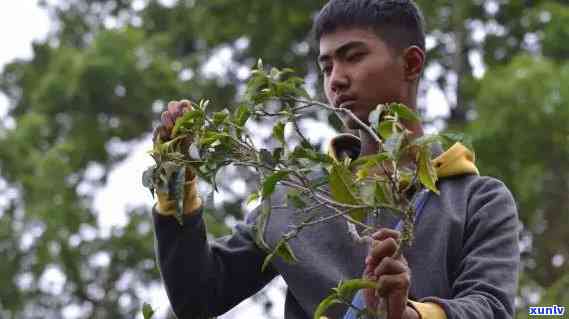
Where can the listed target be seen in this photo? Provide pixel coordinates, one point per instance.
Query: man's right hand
(163, 133)
(168, 119)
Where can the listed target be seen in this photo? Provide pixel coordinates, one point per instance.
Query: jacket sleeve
(202, 278)
(487, 277)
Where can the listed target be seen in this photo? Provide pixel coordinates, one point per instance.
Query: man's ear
(414, 62)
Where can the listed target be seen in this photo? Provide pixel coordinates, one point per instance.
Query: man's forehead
(331, 42)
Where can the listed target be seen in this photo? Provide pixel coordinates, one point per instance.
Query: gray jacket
(465, 257)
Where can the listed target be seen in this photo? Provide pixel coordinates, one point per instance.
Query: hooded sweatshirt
(464, 260)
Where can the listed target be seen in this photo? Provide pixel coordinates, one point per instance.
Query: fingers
(394, 288)
(394, 279)
(392, 275)
(370, 298)
(379, 250)
(390, 266)
(168, 118)
(163, 132)
(174, 108)
(185, 105)
(386, 233)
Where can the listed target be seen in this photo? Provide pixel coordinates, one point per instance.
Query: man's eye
(326, 69)
(354, 57)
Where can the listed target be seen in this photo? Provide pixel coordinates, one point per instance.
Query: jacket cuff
(428, 310)
(192, 200)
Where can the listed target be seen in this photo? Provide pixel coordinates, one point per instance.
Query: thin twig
(338, 204)
(361, 124)
(365, 127)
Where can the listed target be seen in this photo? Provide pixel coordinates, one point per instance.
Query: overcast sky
(20, 23)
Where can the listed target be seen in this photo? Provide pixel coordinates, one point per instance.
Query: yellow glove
(192, 200)
(428, 310)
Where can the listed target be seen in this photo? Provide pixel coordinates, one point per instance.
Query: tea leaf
(426, 171)
(278, 132)
(282, 250)
(405, 113)
(269, 183)
(348, 288)
(325, 304)
(147, 311)
(343, 190)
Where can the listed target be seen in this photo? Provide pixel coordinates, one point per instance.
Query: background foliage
(109, 66)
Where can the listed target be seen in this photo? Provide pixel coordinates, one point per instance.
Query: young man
(464, 261)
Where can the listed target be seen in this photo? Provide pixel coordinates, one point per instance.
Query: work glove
(192, 200)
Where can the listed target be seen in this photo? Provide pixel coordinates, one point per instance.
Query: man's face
(360, 72)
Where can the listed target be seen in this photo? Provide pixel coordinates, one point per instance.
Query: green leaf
(374, 159)
(277, 154)
(325, 304)
(405, 113)
(278, 132)
(188, 121)
(426, 171)
(300, 152)
(383, 193)
(256, 90)
(214, 138)
(294, 197)
(261, 225)
(449, 138)
(147, 311)
(346, 289)
(220, 117)
(427, 140)
(366, 163)
(285, 252)
(252, 197)
(386, 129)
(343, 190)
(367, 193)
(241, 115)
(282, 250)
(269, 183)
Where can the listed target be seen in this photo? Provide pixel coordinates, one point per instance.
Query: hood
(457, 160)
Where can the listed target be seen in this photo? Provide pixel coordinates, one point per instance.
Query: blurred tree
(522, 136)
(467, 36)
(109, 66)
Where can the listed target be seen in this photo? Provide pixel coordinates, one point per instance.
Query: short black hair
(399, 23)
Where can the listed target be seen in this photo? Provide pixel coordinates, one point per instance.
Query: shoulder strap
(420, 201)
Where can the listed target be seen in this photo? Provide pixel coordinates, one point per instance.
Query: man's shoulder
(473, 192)
(472, 184)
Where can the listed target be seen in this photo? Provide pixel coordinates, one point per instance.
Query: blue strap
(420, 202)
(358, 300)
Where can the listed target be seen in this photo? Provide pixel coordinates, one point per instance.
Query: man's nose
(339, 80)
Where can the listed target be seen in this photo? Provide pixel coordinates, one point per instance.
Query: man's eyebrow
(341, 50)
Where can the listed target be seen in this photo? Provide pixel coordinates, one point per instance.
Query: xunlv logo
(547, 311)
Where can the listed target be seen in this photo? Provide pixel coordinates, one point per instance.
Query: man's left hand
(392, 274)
